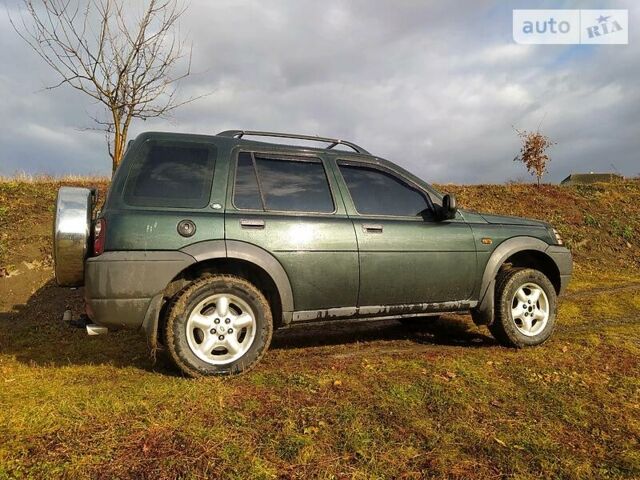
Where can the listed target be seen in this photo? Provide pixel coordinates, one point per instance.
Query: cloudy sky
(433, 86)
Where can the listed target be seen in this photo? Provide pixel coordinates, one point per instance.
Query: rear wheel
(218, 325)
(525, 311)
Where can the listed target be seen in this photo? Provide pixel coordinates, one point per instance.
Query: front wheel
(218, 325)
(525, 311)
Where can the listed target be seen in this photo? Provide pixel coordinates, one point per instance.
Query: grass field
(372, 400)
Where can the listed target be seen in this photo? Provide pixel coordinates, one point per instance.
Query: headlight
(557, 236)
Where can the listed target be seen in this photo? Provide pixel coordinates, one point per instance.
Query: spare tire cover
(71, 231)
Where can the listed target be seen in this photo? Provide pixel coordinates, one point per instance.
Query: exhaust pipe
(93, 329)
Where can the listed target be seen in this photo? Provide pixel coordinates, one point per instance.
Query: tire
(525, 310)
(202, 340)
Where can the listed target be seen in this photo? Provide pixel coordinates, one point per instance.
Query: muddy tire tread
(178, 305)
(503, 328)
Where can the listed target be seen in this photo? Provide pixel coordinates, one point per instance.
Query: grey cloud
(434, 87)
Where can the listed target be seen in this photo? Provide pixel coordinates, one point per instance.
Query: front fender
(483, 313)
(504, 251)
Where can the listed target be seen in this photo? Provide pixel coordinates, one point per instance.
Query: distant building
(586, 178)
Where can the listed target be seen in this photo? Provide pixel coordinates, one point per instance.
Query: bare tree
(128, 65)
(533, 152)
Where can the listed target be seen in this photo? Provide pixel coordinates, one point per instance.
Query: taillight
(99, 234)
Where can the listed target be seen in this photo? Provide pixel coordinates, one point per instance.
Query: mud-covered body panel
(120, 285)
(323, 265)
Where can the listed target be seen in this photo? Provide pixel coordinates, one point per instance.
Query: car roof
(233, 141)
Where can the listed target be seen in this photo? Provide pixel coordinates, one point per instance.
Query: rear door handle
(257, 224)
(372, 227)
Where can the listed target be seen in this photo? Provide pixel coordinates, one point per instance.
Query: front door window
(376, 192)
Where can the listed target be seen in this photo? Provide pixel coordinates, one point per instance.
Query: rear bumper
(117, 313)
(122, 288)
(564, 261)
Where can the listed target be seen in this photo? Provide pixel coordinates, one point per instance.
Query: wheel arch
(537, 260)
(520, 252)
(245, 260)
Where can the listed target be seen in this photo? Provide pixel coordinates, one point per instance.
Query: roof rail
(331, 141)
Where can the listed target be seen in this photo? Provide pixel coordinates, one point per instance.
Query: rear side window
(246, 193)
(376, 192)
(171, 175)
(281, 184)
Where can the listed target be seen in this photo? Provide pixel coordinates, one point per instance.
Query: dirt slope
(600, 223)
(376, 400)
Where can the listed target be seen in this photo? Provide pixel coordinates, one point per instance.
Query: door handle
(372, 227)
(257, 224)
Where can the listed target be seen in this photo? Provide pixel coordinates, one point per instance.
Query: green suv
(209, 243)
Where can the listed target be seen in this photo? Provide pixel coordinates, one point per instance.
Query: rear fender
(233, 249)
(219, 249)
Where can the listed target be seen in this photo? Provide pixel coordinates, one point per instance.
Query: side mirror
(449, 206)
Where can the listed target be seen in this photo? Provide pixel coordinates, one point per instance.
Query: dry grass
(23, 177)
(370, 401)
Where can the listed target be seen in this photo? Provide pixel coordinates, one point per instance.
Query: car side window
(376, 192)
(246, 193)
(171, 175)
(282, 184)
